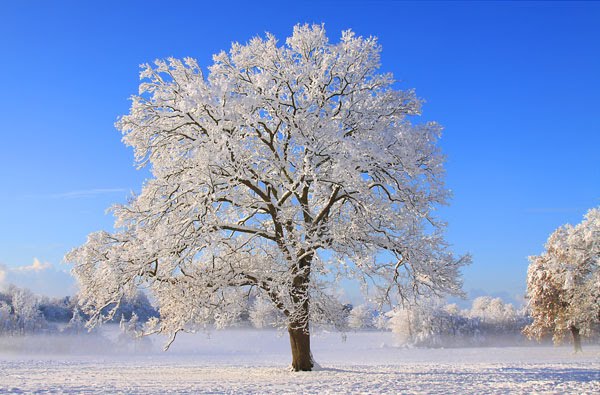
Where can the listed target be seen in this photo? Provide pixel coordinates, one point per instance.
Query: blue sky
(515, 85)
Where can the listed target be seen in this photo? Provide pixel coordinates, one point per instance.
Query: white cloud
(40, 277)
(36, 266)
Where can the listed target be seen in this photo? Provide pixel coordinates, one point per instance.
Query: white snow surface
(256, 361)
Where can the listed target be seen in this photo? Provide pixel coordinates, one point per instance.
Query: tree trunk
(576, 338)
(299, 326)
(301, 354)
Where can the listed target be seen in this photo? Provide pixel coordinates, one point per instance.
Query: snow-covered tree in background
(380, 321)
(132, 327)
(490, 321)
(263, 314)
(458, 325)
(563, 283)
(278, 154)
(421, 324)
(494, 313)
(131, 333)
(401, 322)
(20, 313)
(25, 308)
(76, 325)
(138, 304)
(7, 319)
(360, 317)
(57, 309)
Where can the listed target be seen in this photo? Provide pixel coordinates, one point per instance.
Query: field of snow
(252, 361)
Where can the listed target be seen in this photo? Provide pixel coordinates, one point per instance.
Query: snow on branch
(284, 169)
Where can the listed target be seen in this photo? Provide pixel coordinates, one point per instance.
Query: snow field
(253, 361)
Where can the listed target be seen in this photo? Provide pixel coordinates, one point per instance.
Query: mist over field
(244, 360)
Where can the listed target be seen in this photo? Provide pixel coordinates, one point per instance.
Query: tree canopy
(563, 283)
(280, 171)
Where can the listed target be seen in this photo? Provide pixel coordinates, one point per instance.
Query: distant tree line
(22, 312)
(429, 324)
(489, 321)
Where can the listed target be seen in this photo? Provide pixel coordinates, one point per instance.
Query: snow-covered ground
(252, 361)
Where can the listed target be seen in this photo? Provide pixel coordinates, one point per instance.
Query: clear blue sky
(516, 86)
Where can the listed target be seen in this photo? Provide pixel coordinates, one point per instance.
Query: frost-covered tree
(417, 324)
(380, 321)
(432, 324)
(19, 312)
(131, 328)
(57, 309)
(494, 313)
(138, 304)
(563, 283)
(131, 334)
(360, 317)
(8, 322)
(76, 324)
(278, 154)
(263, 314)
(457, 324)
(25, 306)
(405, 323)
